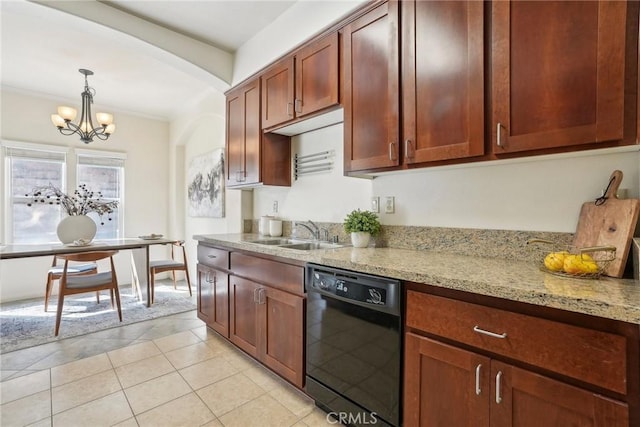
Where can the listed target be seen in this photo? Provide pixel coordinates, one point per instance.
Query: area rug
(25, 323)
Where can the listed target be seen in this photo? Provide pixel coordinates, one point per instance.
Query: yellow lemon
(555, 261)
(580, 264)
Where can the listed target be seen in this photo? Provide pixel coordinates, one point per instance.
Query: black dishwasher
(353, 348)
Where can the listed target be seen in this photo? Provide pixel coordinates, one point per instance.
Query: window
(28, 166)
(104, 173)
(26, 169)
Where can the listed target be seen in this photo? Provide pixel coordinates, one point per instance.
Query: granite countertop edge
(521, 281)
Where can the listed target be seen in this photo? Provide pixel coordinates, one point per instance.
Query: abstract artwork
(206, 185)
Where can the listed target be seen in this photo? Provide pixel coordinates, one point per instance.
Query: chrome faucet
(313, 228)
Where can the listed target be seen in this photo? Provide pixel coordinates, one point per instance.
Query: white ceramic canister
(275, 227)
(263, 225)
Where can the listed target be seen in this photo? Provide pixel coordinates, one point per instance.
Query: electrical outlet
(375, 204)
(275, 206)
(389, 205)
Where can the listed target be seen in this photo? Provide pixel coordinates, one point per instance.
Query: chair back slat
(87, 256)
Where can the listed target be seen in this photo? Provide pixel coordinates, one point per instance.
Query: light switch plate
(375, 204)
(389, 205)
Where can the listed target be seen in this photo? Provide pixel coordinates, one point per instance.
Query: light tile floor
(171, 371)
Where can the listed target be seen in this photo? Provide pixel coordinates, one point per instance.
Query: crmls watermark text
(347, 418)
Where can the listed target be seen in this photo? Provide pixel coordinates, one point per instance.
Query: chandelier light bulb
(67, 113)
(58, 121)
(105, 119)
(85, 129)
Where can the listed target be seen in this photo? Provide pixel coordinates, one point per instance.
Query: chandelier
(64, 119)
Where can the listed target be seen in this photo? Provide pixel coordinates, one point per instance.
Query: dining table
(139, 247)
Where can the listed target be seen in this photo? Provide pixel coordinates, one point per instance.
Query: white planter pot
(360, 239)
(76, 227)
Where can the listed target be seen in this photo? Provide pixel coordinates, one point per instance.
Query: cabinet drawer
(213, 257)
(276, 274)
(592, 356)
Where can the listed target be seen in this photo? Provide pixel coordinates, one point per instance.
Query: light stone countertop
(522, 281)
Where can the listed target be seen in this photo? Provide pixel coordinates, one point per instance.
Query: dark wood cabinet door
(443, 80)
(316, 67)
(243, 314)
(281, 333)
(220, 320)
(243, 134)
(213, 299)
(371, 90)
(556, 81)
(521, 398)
(277, 93)
(444, 385)
(206, 298)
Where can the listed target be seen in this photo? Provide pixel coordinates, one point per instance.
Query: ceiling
(43, 48)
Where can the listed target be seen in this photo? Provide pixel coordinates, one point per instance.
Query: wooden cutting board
(609, 221)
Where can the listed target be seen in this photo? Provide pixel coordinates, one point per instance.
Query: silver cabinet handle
(478, 368)
(498, 383)
(289, 109)
(206, 277)
(498, 135)
(298, 105)
(255, 295)
(212, 256)
(407, 151)
(392, 151)
(491, 334)
(261, 296)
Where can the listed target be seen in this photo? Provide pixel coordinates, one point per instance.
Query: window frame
(70, 173)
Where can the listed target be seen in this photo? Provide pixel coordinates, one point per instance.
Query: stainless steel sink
(273, 242)
(300, 245)
(309, 246)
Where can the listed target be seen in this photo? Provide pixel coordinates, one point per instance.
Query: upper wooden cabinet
(558, 72)
(371, 90)
(253, 157)
(442, 85)
(442, 80)
(301, 84)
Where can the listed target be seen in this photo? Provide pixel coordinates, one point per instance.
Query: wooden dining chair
(55, 273)
(76, 284)
(173, 265)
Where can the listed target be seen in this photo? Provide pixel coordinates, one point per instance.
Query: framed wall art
(205, 179)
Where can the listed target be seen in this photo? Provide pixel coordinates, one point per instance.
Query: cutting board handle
(612, 189)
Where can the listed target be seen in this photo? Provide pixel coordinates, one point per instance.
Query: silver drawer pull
(212, 256)
(477, 329)
(478, 391)
(498, 385)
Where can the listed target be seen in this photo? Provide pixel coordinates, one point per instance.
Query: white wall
(146, 142)
(199, 131)
(537, 193)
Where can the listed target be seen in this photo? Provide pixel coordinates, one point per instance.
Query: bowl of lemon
(586, 263)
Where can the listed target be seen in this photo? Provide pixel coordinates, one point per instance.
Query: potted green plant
(362, 225)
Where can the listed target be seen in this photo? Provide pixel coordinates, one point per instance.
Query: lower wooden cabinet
(449, 386)
(479, 361)
(258, 304)
(267, 323)
(213, 298)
